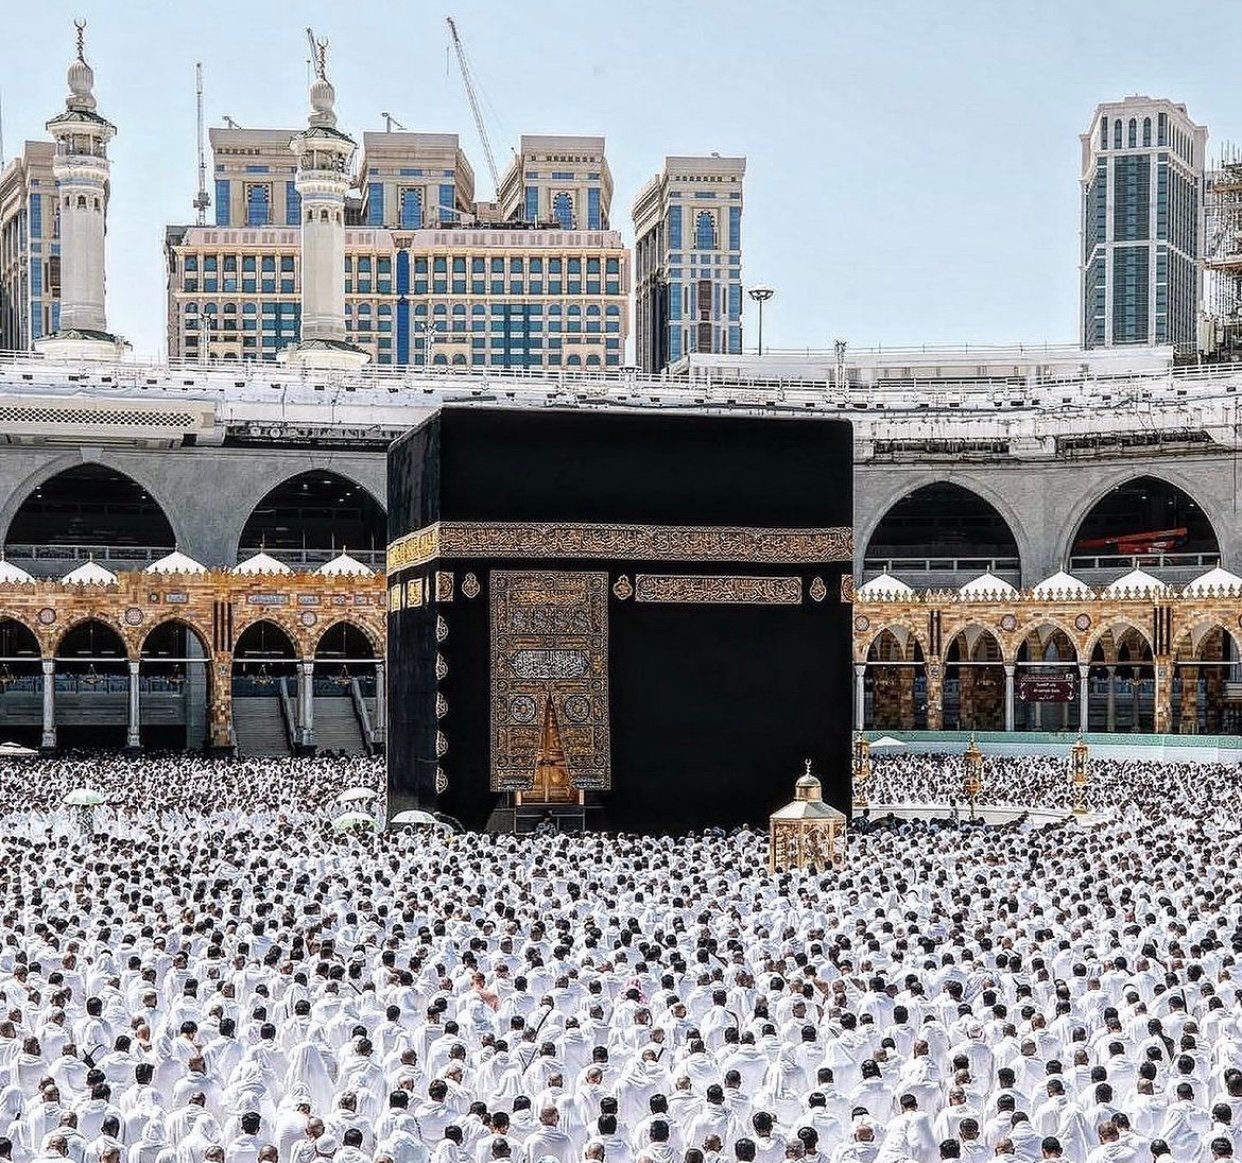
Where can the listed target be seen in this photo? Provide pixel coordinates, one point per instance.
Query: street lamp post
(761, 295)
(862, 771)
(972, 774)
(1078, 775)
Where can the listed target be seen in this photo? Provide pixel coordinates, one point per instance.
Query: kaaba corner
(643, 619)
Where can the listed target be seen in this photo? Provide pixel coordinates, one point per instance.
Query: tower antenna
(319, 54)
(202, 199)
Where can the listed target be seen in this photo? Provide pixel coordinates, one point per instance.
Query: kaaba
(645, 611)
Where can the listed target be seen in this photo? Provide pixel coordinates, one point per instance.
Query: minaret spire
(82, 172)
(324, 155)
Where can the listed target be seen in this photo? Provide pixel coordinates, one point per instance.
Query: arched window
(1147, 131)
(705, 230)
(1117, 134)
(1132, 136)
(563, 210)
(1103, 132)
(81, 201)
(258, 205)
(411, 209)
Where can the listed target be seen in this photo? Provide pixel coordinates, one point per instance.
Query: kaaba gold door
(551, 783)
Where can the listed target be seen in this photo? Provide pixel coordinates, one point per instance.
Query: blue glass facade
(223, 209)
(375, 203)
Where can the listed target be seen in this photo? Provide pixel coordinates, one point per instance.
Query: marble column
(48, 742)
(133, 737)
(379, 718)
(306, 704)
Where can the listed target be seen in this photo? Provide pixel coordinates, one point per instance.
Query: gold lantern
(972, 773)
(862, 771)
(1078, 775)
(806, 833)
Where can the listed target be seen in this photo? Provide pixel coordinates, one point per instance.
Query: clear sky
(913, 166)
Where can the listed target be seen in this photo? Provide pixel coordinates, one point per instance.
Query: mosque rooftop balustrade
(1113, 413)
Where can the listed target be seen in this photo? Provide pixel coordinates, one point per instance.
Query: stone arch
(1112, 626)
(910, 485)
(70, 628)
(863, 649)
(1052, 621)
(314, 514)
(1046, 650)
(104, 462)
(303, 643)
(1122, 678)
(1205, 664)
(895, 681)
(974, 683)
(1077, 525)
(368, 632)
(264, 652)
(159, 624)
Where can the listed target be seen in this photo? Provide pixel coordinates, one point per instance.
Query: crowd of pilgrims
(213, 975)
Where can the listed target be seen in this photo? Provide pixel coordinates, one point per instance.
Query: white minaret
(82, 169)
(324, 154)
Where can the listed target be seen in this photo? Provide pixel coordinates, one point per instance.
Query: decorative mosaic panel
(549, 637)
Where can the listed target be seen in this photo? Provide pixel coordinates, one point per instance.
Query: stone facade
(1158, 661)
(217, 606)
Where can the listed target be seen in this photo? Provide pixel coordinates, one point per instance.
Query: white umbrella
(16, 751)
(886, 745)
(354, 795)
(83, 797)
(420, 819)
(352, 820)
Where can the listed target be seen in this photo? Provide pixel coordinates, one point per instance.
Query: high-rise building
(1143, 163)
(557, 181)
(688, 260)
(29, 248)
(430, 276)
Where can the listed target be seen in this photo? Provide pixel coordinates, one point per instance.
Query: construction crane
(230, 122)
(202, 199)
(474, 103)
(390, 121)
